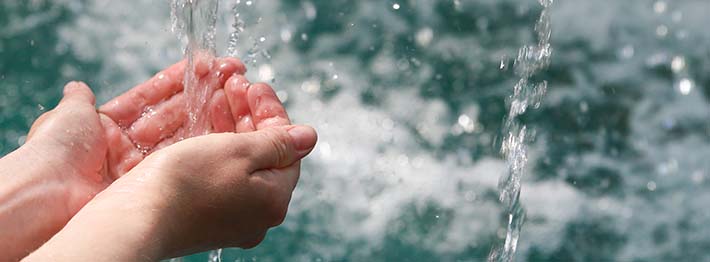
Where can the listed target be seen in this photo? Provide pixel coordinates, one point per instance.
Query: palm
(152, 115)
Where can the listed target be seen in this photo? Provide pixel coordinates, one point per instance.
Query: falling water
(530, 60)
(196, 20)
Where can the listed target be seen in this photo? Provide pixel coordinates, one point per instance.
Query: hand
(152, 115)
(75, 152)
(219, 190)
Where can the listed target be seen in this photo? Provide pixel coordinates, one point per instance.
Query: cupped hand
(81, 151)
(93, 149)
(218, 190)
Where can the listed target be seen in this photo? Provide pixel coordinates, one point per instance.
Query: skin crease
(249, 175)
(73, 152)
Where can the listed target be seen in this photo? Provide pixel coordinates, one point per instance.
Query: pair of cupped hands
(119, 184)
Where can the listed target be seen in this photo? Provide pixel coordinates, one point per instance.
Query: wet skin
(75, 151)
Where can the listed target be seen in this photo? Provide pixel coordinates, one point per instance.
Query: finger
(122, 155)
(236, 91)
(203, 63)
(220, 113)
(167, 142)
(77, 92)
(266, 108)
(128, 107)
(229, 66)
(278, 147)
(159, 122)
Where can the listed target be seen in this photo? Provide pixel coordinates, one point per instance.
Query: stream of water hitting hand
(530, 60)
(195, 21)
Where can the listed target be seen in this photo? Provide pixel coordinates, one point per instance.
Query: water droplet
(685, 86)
(282, 95)
(678, 64)
(311, 86)
(662, 31)
(21, 140)
(310, 10)
(627, 51)
(266, 73)
(651, 186)
(660, 7)
(424, 36)
(286, 35)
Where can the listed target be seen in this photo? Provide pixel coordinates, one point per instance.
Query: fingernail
(304, 138)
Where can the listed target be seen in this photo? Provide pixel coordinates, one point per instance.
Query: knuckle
(278, 141)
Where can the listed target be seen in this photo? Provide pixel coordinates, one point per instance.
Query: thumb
(77, 92)
(278, 147)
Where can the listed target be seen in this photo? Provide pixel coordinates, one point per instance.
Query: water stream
(195, 21)
(527, 94)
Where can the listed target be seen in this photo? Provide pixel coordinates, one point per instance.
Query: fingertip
(237, 84)
(236, 92)
(304, 139)
(79, 91)
(266, 108)
(231, 65)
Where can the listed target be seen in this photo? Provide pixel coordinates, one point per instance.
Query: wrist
(30, 198)
(121, 223)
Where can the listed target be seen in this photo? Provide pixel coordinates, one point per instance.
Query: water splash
(237, 30)
(196, 20)
(530, 60)
(215, 256)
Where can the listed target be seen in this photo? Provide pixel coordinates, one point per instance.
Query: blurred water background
(409, 98)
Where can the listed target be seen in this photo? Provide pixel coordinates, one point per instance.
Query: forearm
(118, 225)
(30, 211)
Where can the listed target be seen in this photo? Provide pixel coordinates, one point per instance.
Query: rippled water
(409, 99)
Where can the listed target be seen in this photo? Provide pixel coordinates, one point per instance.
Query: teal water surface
(409, 104)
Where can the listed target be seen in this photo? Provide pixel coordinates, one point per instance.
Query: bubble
(395, 6)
